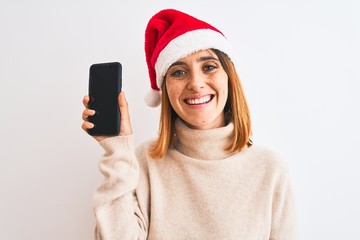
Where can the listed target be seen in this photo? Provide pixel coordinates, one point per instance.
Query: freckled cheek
(174, 94)
(223, 96)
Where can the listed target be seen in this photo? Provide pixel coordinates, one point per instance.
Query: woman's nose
(196, 81)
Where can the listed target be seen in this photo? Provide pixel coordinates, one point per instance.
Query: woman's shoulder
(142, 149)
(266, 157)
(261, 150)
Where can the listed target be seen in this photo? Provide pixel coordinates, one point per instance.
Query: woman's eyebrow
(206, 58)
(201, 59)
(177, 63)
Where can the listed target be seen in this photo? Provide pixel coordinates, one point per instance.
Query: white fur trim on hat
(153, 98)
(186, 44)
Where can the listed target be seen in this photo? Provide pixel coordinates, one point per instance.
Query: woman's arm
(284, 224)
(115, 204)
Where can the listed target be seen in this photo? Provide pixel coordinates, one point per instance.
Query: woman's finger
(87, 125)
(86, 100)
(125, 125)
(86, 113)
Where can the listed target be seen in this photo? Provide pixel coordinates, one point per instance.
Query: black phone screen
(104, 88)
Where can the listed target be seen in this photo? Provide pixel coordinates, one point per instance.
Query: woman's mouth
(201, 100)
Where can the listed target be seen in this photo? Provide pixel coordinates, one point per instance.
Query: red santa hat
(171, 35)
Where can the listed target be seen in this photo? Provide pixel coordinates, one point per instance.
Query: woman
(201, 178)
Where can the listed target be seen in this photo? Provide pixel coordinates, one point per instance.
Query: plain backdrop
(298, 61)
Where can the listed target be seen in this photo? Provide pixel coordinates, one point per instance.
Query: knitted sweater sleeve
(284, 220)
(115, 205)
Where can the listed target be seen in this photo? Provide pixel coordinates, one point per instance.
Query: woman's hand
(125, 125)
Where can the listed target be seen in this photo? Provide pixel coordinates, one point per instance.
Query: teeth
(198, 100)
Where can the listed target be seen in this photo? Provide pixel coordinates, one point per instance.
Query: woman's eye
(178, 73)
(209, 68)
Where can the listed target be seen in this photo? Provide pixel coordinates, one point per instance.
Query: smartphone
(105, 84)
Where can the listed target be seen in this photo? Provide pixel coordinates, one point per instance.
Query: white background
(299, 64)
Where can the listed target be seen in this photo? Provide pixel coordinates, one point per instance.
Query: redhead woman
(202, 178)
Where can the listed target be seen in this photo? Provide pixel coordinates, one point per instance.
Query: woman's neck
(208, 144)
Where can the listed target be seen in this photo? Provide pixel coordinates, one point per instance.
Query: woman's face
(197, 86)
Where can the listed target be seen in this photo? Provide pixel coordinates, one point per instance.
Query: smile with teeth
(197, 101)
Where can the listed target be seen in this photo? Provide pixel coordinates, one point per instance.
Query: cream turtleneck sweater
(197, 191)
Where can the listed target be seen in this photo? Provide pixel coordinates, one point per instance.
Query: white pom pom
(153, 98)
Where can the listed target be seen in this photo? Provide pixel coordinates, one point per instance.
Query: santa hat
(171, 35)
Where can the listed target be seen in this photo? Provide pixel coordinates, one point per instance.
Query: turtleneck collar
(203, 144)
